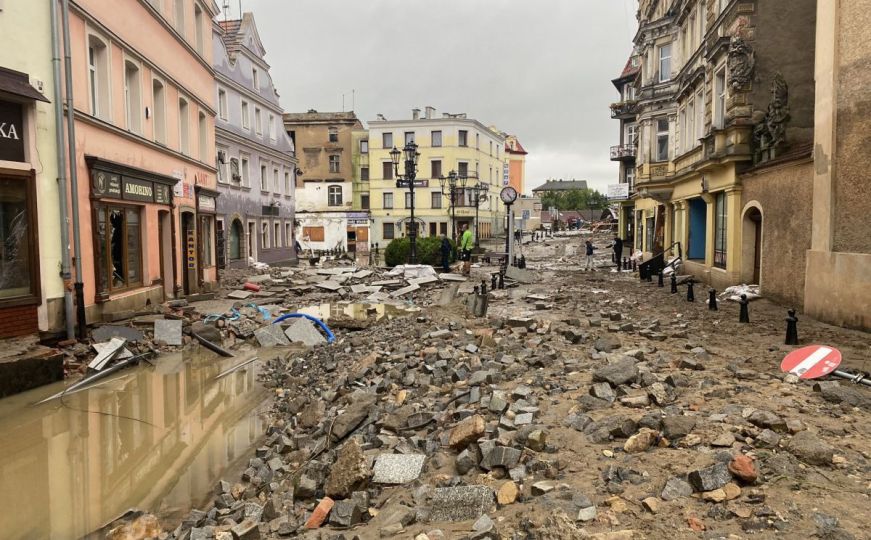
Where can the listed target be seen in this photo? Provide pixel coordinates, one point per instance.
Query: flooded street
(156, 438)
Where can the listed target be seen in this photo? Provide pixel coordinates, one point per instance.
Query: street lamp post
(411, 155)
(451, 185)
(480, 194)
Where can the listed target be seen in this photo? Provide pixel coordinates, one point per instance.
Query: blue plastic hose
(330, 337)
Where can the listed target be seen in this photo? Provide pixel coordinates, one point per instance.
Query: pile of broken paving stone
(567, 421)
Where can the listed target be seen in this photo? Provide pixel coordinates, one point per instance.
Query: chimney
(415, 114)
(380, 116)
(429, 112)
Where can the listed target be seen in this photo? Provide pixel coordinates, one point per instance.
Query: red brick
(321, 511)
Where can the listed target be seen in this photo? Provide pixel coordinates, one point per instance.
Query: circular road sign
(508, 195)
(811, 362)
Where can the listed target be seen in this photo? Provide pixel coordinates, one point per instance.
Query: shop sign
(207, 203)
(138, 190)
(107, 184)
(11, 132)
(506, 175)
(618, 191)
(115, 186)
(191, 250)
(161, 194)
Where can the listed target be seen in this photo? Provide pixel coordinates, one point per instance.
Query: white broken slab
(337, 271)
(329, 285)
(452, 277)
(387, 283)
(363, 289)
(519, 275)
(397, 468)
(260, 278)
(304, 331)
(378, 298)
(405, 290)
(423, 280)
(239, 295)
(271, 336)
(168, 331)
(123, 354)
(110, 349)
(362, 274)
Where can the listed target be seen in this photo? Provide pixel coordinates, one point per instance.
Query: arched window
(98, 77)
(334, 196)
(132, 97)
(158, 105)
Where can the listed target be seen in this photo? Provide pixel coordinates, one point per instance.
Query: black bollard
(493, 283)
(673, 284)
(522, 262)
(661, 282)
(691, 296)
(625, 263)
(634, 265)
(483, 287)
(791, 328)
(712, 300)
(744, 315)
(501, 280)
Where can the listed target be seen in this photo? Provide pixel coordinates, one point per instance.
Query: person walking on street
(466, 244)
(446, 254)
(589, 264)
(618, 251)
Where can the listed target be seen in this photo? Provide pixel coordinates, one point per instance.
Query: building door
(698, 228)
(752, 248)
(237, 235)
(164, 234)
(220, 245)
(191, 261)
(252, 240)
(351, 233)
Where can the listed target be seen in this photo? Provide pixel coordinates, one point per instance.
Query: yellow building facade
(451, 142)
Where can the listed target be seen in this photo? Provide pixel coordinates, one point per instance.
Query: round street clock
(508, 195)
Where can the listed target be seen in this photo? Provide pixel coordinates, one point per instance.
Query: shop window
(313, 234)
(17, 268)
(120, 241)
(206, 240)
(720, 218)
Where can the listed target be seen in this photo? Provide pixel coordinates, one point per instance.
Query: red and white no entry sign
(811, 362)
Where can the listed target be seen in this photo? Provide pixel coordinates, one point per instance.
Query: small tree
(429, 251)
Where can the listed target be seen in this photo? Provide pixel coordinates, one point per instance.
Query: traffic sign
(811, 362)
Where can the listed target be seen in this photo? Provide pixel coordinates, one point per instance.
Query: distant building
(324, 188)
(626, 111)
(552, 186)
(256, 161)
(516, 163)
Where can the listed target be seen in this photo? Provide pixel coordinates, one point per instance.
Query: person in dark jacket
(446, 254)
(589, 248)
(618, 251)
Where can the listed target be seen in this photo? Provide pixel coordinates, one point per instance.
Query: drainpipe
(74, 180)
(62, 176)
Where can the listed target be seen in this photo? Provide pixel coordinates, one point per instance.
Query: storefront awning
(18, 84)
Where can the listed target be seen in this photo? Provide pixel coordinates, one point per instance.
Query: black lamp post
(451, 186)
(411, 156)
(479, 194)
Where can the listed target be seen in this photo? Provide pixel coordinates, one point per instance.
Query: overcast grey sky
(540, 69)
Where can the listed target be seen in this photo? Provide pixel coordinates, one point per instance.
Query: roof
(628, 73)
(231, 35)
(17, 83)
(513, 146)
(313, 116)
(561, 185)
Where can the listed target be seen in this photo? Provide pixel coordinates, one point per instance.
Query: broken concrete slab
(452, 277)
(397, 468)
(123, 354)
(423, 280)
(405, 290)
(362, 274)
(239, 295)
(387, 283)
(519, 275)
(329, 285)
(168, 331)
(110, 350)
(461, 503)
(304, 331)
(271, 336)
(109, 331)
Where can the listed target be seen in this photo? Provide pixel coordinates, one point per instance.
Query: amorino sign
(11, 132)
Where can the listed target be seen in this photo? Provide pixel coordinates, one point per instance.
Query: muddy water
(155, 438)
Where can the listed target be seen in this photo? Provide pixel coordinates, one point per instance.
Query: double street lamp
(454, 186)
(410, 156)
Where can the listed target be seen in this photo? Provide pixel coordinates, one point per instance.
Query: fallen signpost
(815, 361)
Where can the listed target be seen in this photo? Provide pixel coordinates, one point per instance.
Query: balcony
(624, 109)
(623, 152)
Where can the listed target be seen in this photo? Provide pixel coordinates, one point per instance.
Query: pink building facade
(143, 89)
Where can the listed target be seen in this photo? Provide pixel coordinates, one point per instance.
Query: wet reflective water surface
(156, 438)
(359, 312)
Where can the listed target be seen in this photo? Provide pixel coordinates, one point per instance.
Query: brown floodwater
(156, 438)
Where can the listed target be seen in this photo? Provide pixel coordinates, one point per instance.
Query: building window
(255, 78)
(246, 116)
(179, 16)
(436, 199)
(276, 234)
(184, 130)
(334, 135)
(650, 226)
(198, 21)
(120, 243)
(389, 231)
(720, 230)
(630, 178)
(264, 179)
(720, 98)
(408, 200)
(271, 127)
(443, 227)
(17, 249)
(463, 169)
(334, 196)
(244, 172)
(409, 137)
(477, 141)
(387, 170)
(275, 183)
(682, 122)
(700, 116)
(98, 77)
(364, 201)
(264, 235)
(258, 121)
(662, 139)
(204, 137)
(205, 233)
(222, 104)
(287, 183)
(665, 62)
(334, 163)
(387, 140)
(463, 138)
(288, 235)
(158, 99)
(436, 168)
(364, 146)
(313, 234)
(491, 148)
(132, 97)
(222, 166)
(388, 200)
(631, 135)
(364, 174)
(436, 138)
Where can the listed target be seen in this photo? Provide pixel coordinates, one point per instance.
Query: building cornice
(222, 135)
(426, 122)
(223, 79)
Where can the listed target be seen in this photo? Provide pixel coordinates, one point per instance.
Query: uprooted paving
(584, 405)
